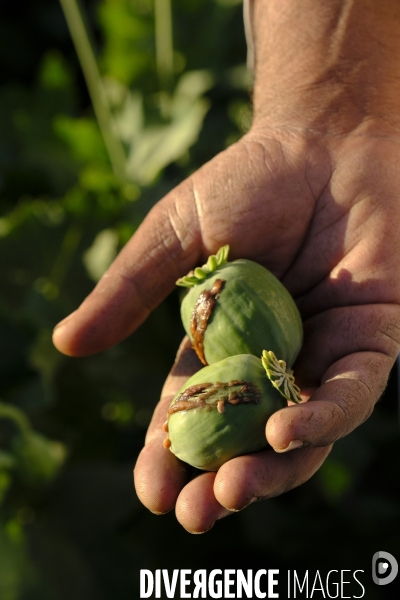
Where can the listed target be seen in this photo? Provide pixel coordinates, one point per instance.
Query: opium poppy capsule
(222, 410)
(239, 307)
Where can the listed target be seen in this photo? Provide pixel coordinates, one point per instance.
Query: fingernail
(62, 323)
(225, 513)
(244, 505)
(292, 446)
(200, 532)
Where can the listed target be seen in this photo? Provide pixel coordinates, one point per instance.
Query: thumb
(166, 246)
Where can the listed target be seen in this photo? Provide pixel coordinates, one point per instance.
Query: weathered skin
(252, 311)
(312, 192)
(232, 401)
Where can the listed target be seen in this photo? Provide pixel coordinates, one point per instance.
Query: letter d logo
(384, 568)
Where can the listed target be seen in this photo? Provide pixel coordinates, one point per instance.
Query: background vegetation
(160, 105)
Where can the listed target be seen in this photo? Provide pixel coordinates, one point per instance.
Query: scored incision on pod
(239, 307)
(208, 395)
(201, 314)
(214, 417)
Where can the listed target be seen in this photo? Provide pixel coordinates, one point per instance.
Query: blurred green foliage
(70, 430)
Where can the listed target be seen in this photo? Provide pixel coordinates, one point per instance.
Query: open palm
(322, 214)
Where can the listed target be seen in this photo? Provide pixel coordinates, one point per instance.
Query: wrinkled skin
(321, 211)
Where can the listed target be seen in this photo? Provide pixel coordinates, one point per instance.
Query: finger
(338, 332)
(235, 197)
(350, 389)
(159, 476)
(265, 474)
(166, 246)
(185, 365)
(197, 509)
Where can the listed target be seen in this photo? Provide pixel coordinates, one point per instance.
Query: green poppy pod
(222, 410)
(239, 307)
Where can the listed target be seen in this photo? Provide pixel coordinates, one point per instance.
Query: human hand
(311, 192)
(307, 209)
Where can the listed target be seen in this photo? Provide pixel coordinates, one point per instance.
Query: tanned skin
(312, 192)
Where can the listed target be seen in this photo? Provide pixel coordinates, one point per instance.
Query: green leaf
(38, 459)
(128, 48)
(54, 72)
(129, 118)
(15, 571)
(7, 461)
(101, 253)
(82, 136)
(97, 177)
(191, 86)
(159, 146)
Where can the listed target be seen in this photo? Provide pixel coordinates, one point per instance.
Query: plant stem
(164, 48)
(84, 49)
(63, 259)
(7, 411)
